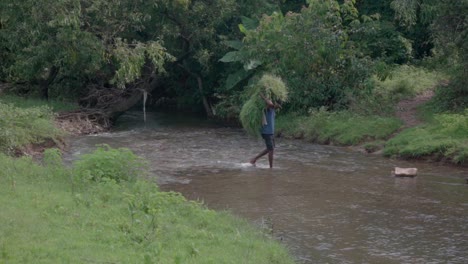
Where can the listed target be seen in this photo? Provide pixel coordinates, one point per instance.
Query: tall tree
(196, 37)
(72, 44)
(310, 50)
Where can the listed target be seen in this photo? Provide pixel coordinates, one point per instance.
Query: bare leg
(261, 154)
(270, 158)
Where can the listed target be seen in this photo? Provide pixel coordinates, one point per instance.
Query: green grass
(444, 137)
(341, 128)
(23, 126)
(402, 83)
(408, 81)
(49, 215)
(28, 102)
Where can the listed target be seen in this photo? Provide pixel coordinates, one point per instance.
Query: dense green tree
(196, 37)
(90, 48)
(108, 52)
(310, 50)
(72, 44)
(448, 24)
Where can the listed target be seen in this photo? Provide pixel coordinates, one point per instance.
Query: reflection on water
(326, 204)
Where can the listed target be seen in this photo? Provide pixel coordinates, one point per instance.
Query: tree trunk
(53, 72)
(206, 104)
(124, 103)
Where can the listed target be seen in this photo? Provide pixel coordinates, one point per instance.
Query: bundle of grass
(273, 88)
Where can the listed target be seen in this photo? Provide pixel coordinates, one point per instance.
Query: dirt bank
(71, 124)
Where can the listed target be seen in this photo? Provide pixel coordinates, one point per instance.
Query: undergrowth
(31, 102)
(56, 214)
(444, 137)
(408, 81)
(23, 126)
(341, 128)
(402, 83)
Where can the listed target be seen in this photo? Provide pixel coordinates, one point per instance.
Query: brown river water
(326, 204)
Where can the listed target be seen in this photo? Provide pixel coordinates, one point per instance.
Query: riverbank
(55, 214)
(103, 208)
(442, 140)
(401, 116)
(29, 126)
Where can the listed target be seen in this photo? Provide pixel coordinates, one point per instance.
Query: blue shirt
(269, 128)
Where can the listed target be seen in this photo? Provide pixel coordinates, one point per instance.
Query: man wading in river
(268, 131)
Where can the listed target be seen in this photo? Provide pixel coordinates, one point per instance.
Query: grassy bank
(30, 102)
(100, 211)
(339, 128)
(443, 137)
(20, 127)
(371, 123)
(25, 121)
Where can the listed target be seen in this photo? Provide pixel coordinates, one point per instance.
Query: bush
(19, 127)
(451, 97)
(407, 81)
(402, 82)
(109, 163)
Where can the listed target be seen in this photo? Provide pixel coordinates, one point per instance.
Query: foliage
(447, 22)
(47, 220)
(382, 42)
(73, 42)
(401, 83)
(444, 138)
(131, 61)
(23, 126)
(451, 97)
(408, 81)
(308, 50)
(193, 36)
(109, 163)
(342, 128)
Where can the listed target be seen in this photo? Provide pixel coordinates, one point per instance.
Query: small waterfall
(145, 96)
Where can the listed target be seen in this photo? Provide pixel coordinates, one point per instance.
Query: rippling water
(326, 204)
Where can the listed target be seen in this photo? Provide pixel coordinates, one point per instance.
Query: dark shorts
(269, 141)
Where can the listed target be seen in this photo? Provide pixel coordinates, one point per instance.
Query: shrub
(19, 127)
(106, 162)
(408, 81)
(402, 82)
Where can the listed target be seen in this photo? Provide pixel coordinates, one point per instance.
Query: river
(326, 204)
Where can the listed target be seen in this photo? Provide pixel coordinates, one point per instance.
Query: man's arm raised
(267, 101)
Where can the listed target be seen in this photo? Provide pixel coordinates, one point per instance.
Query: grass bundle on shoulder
(273, 88)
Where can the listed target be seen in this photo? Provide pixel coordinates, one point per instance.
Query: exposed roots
(82, 122)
